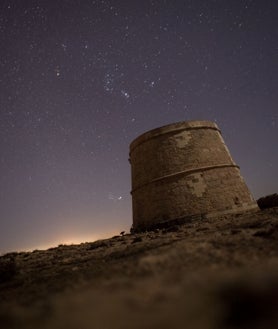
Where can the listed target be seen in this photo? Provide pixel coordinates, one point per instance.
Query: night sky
(79, 80)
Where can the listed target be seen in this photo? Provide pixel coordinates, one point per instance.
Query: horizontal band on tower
(185, 172)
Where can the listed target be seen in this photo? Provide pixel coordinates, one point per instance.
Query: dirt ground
(209, 274)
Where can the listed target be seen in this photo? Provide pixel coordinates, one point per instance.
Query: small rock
(137, 239)
(268, 201)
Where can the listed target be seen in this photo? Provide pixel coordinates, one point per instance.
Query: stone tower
(184, 170)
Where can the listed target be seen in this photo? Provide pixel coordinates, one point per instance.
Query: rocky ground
(215, 273)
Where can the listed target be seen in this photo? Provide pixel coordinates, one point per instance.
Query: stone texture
(218, 273)
(184, 170)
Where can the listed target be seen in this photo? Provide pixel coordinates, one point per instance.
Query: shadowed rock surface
(214, 273)
(268, 201)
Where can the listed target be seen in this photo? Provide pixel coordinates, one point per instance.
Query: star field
(79, 80)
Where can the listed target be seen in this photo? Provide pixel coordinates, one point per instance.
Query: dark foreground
(218, 273)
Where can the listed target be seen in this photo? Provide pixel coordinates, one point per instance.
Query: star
(125, 94)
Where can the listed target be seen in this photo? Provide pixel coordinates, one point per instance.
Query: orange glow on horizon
(72, 240)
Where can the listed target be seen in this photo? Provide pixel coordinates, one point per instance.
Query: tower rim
(172, 127)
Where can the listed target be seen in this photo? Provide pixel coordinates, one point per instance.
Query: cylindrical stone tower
(184, 170)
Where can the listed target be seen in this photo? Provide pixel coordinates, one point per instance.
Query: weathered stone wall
(184, 170)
